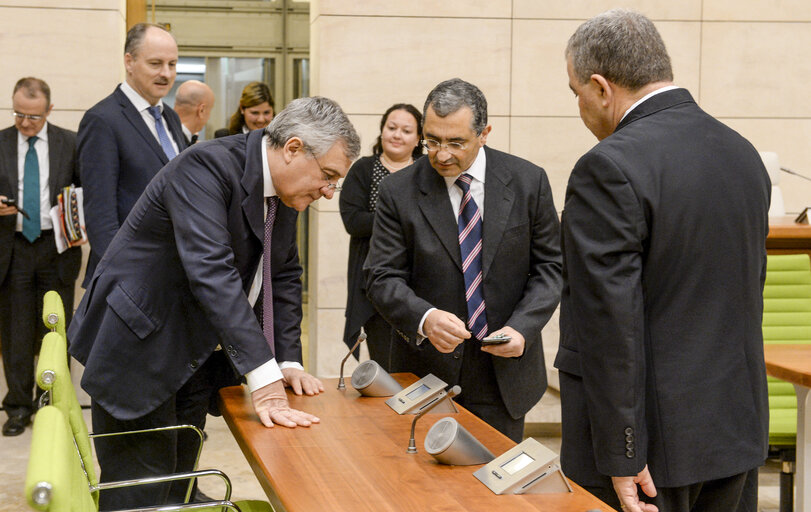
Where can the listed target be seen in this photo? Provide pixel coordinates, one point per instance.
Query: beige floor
(221, 451)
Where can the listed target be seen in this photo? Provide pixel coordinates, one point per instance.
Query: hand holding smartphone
(497, 339)
(9, 201)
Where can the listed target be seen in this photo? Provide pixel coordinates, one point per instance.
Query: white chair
(770, 160)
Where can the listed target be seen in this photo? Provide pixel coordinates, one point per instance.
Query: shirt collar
(136, 99)
(476, 169)
(269, 189)
(646, 97)
(186, 131)
(42, 135)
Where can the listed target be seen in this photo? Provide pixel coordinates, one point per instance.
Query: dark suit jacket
(173, 283)
(661, 351)
(63, 171)
(118, 156)
(414, 264)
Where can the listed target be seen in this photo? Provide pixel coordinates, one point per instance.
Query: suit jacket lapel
(253, 184)
(55, 162)
(138, 123)
(8, 148)
(498, 201)
(436, 206)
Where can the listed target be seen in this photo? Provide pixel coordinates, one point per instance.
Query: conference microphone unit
(370, 379)
(449, 443)
(440, 397)
(361, 339)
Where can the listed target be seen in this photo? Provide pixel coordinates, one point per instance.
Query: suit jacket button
(629, 454)
(457, 355)
(194, 364)
(629, 431)
(629, 438)
(231, 350)
(629, 446)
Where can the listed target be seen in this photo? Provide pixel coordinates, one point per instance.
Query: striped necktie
(470, 243)
(163, 137)
(267, 284)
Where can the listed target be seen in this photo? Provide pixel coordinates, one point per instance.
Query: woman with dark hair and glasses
(255, 110)
(396, 148)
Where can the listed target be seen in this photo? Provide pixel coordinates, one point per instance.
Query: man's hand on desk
(271, 405)
(302, 382)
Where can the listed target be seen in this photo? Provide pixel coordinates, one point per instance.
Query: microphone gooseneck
(361, 339)
(794, 173)
(454, 391)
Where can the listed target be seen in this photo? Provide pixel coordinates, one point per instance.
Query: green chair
(53, 313)
(786, 320)
(57, 482)
(53, 377)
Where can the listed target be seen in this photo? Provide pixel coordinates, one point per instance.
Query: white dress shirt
(141, 105)
(647, 96)
(41, 146)
(270, 371)
(476, 171)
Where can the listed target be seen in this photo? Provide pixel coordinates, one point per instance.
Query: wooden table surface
(356, 460)
(786, 236)
(791, 363)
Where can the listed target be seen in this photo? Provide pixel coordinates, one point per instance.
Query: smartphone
(10, 201)
(496, 340)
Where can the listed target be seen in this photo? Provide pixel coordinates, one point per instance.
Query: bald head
(193, 103)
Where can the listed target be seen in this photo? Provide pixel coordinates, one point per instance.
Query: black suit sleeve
(542, 290)
(354, 200)
(287, 312)
(387, 267)
(603, 234)
(99, 169)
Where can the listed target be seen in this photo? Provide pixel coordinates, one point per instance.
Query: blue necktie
(31, 192)
(470, 243)
(163, 137)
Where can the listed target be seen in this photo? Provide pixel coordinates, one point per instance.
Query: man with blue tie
(465, 246)
(38, 160)
(127, 137)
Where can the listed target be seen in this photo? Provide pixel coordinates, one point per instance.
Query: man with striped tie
(465, 246)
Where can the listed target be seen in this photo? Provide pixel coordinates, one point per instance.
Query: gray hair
(622, 46)
(451, 95)
(319, 122)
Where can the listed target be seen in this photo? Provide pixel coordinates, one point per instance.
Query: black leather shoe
(15, 425)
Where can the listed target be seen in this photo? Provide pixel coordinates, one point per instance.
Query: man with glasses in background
(170, 311)
(38, 160)
(465, 253)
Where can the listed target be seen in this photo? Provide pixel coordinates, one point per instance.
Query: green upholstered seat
(68, 452)
(786, 320)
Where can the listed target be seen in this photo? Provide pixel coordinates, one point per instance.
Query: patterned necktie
(31, 193)
(267, 285)
(163, 137)
(470, 243)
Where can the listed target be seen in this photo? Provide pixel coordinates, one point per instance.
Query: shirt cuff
(422, 322)
(290, 364)
(267, 373)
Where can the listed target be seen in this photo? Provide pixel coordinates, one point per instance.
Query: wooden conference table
(355, 459)
(787, 237)
(792, 363)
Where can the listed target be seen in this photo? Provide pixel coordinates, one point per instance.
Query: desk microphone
(454, 391)
(361, 339)
(793, 173)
